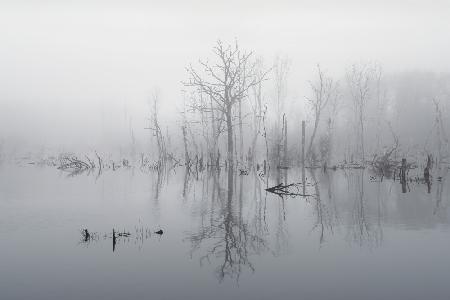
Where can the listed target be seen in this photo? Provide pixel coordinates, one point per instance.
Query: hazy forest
(235, 111)
(210, 150)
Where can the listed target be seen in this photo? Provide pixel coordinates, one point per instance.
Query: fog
(224, 149)
(80, 75)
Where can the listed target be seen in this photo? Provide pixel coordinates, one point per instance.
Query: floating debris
(141, 234)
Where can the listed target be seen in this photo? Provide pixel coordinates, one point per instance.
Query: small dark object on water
(243, 172)
(160, 232)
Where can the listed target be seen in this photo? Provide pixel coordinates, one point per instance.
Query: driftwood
(292, 189)
(72, 163)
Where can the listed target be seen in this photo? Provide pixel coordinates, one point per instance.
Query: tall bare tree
(155, 127)
(226, 81)
(359, 79)
(281, 70)
(256, 107)
(380, 93)
(323, 89)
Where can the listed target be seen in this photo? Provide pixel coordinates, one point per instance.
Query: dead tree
(281, 70)
(186, 152)
(359, 79)
(285, 142)
(441, 136)
(226, 81)
(257, 110)
(385, 165)
(380, 93)
(323, 90)
(335, 106)
(155, 127)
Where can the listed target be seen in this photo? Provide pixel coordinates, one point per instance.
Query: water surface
(224, 236)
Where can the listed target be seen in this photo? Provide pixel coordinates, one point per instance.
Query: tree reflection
(326, 214)
(281, 234)
(228, 237)
(362, 231)
(442, 174)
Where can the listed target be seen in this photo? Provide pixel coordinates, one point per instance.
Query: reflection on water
(224, 231)
(224, 223)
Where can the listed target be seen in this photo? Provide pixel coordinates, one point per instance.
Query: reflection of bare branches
(259, 223)
(440, 190)
(281, 234)
(324, 219)
(187, 174)
(362, 231)
(162, 172)
(231, 238)
(379, 229)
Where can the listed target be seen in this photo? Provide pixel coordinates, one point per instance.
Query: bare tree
(323, 90)
(226, 81)
(441, 136)
(281, 70)
(380, 98)
(335, 106)
(256, 107)
(155, 127)
(359, 78)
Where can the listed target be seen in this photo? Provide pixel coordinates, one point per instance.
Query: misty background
(80, 76)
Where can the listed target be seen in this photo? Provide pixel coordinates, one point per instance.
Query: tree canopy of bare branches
(323, 89)
(359, 79)
(226, 80)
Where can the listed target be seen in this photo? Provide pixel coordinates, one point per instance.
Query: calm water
(224, 236)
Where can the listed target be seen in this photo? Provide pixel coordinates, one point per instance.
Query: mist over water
(216, 150)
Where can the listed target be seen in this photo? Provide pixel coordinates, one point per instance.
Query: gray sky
(67, 71)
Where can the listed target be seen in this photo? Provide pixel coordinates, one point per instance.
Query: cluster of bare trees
(220, 87)
(354, 123)
(324, 92)
(228, 94)
(237, 108)
(237, 111)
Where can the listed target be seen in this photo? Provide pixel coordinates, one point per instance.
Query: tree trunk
(303, 158)
(313, 136)
(285, 145)
(361, 121)
(241, 141)
(186, 153)
(230, 136)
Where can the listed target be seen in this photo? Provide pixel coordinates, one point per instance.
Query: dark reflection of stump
(428, 182)
(86, 235)
(403, 182)
(426, 175)
(186, 181)
(114, 239)
(403, 175)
